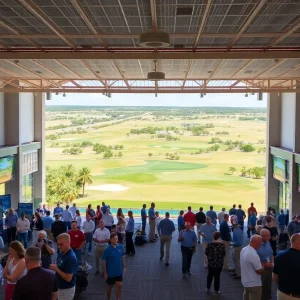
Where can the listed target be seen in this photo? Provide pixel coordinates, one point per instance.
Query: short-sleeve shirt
(151, 213)
(215, 253)
(101, 234)
(189, 238)
(287, 267)
(250, 263)
(265, 252)
(143, 213)
(67, 263)
(77, 238)
(240, 215)
(113, 257)
(190, 217)
(38, 284)
(45, 256)
(213, 216)
(208, 231)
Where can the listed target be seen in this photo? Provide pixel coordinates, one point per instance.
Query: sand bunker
(108, 188)
(157, 146)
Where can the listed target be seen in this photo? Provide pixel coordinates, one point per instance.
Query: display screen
(7, 168)
(279, 169)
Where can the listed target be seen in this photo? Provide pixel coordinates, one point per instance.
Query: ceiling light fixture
(64, 94)
(154, 39)
(201, 95)
(156, 75)
(246, 95)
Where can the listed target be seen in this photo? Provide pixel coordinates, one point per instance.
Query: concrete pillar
(39, 179)
(273, 139)
(12, 138)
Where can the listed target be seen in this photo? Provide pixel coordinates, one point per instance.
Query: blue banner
(27, 208)
(6, 202)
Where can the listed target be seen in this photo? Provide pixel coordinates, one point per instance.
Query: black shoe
(184, 276)
(167, 264)
(97, 272)
(198, 242)
(189, 273)
(237, 277)
(233, 274)
(161, 258)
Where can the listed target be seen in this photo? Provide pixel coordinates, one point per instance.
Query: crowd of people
(219, 235)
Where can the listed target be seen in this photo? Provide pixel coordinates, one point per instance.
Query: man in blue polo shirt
(265, 254)
(65, 268)
(144, 218)
(152, 217)
(226, 239)
(188, 239)
(212, 214)
(287, 269)
(240, 216)
(180, 221)
(237, 246)
(113, 266)
(57, 210)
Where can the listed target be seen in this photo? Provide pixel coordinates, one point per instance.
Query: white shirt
(250, 263)
(100, 235)
(78, 220)
(72, 210)
(88, 226)
(108, 219)
(221, 216)
(157, 220)
(66, 215)
(23, 225)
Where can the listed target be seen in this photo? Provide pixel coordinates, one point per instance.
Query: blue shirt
(237, 237)
(130, 225)
(11, 220)
(240, 215)
(143, 213)
(189, 238)
(213, 216)
(252, 220)
(265, 252)
(180, 221)
(103, 209)
(208, 231)
(281, 219)
(57, 210)
(47, 222)
(166, 227)
(225, 232)
(113, 257)
(66, 215)
(151, 213)
(67, 263)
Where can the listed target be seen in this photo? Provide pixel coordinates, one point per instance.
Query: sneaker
(184, 276)
(167, 264)
(217, 293)
(198, 242)
(89, 254)
(161, 258)
(233, 274)
(207, 290)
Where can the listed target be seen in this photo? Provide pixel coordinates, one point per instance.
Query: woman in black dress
(215, 252)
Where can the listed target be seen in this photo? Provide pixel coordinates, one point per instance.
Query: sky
(185, 100)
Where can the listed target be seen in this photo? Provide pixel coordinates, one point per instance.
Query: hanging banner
(27, 208)
(6, 202)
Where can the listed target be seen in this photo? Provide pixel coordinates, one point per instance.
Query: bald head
(258, 229)
(265, 235)
(295, 241)
(255, 241)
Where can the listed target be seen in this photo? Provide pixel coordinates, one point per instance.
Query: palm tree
(84, 178)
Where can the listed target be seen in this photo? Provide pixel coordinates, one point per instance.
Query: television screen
(7, 167)
(279, 169)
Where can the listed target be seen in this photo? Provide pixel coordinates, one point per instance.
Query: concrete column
(39, 178)
(294, 203)
(12, 138)
(273, 139)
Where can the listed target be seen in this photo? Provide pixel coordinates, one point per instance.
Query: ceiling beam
(242, 68)
(87, 21)
(289, 71)
(287, 33)
(270, 68)
(217, 69)
(153, 14)
(84, 63)
(38, 13)
(203, 22)
(151, 90)
(66, 67)
(248, 20)
(115, 65)
(46, 68)
(149, 55)
(136, 36)
(190, 63)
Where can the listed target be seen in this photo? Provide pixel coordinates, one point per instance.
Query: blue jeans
(88, 240)
(23, 236)
(187, 254)
(144, 224)
(68, 225)
(78, 255)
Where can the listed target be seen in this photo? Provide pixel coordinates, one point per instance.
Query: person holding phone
(47, 249)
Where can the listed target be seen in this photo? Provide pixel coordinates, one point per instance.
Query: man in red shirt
(251, 209)
(77, 240)
(190, 217)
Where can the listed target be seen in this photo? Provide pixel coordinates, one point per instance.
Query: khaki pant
(66, 294)
(283, 296)
(49, 233)
(236, 256)
(226, 265)
(165, 239)
(198, 228)
(99, 250)
(266, 280)
(204, 245)
(252, 293)
(152, 230)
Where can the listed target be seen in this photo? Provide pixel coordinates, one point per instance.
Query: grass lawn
(199, 180)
